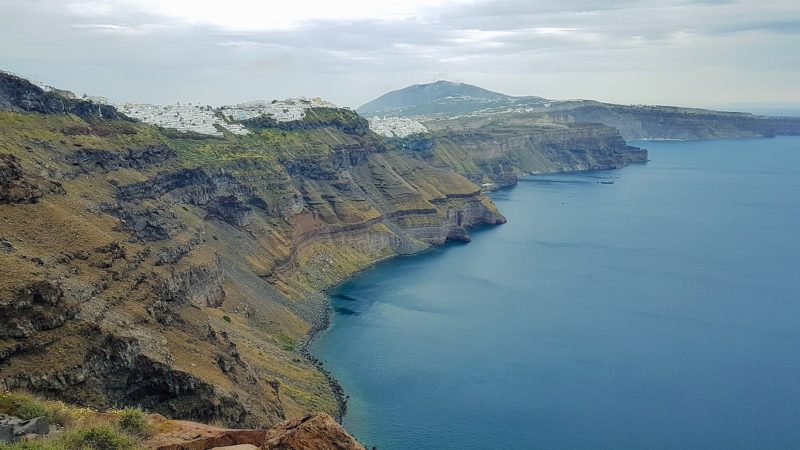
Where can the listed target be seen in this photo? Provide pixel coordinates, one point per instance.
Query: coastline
(322, 319)
(319, 324)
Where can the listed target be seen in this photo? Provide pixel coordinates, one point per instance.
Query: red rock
(183, 435)
(317, 432)
(237, 447)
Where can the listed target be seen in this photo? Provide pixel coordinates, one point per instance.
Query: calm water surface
(658, 312)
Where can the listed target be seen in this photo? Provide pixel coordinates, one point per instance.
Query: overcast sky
(687, 52)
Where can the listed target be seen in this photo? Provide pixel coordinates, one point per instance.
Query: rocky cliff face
(19, 94)
(498, 152)
(149, 268)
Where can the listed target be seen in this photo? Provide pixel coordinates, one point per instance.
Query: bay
(656, 306)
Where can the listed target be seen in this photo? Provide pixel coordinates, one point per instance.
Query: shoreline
(321, 321)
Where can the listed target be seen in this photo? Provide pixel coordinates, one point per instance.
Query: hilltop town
(206, 119)
(396, 126)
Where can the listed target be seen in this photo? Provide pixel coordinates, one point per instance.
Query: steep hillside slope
(180, 272)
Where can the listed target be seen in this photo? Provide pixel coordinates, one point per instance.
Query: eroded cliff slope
(180, 272)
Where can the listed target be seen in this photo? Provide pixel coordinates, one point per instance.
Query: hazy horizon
(701, 53)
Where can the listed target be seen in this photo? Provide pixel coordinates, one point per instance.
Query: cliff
(498, 150)
(670, 122)
(180, 273)
(19, 94)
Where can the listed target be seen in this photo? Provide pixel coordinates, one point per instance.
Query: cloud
(672, 51)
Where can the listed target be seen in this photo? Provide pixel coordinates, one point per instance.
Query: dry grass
(78, 428)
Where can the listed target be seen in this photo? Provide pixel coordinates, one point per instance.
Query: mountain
(443, 98)
(445, 101)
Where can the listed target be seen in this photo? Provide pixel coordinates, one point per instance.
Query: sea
(651, 307)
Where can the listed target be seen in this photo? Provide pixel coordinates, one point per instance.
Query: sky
(704, 53)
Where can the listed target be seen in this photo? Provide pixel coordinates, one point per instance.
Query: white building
(396, 126)
(208, 120)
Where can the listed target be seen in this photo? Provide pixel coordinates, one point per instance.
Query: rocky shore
(320, 323)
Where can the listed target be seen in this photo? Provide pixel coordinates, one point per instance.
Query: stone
(312, 432)
(183, 435)
(237, 447)
(7, 246)
(14, 428)
(6, 433)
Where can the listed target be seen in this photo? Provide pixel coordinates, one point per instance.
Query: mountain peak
(437, 97)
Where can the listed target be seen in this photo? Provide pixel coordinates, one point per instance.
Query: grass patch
(134, 422)
(26, 406)
(287, 343)
(102, 437)
(79, 428)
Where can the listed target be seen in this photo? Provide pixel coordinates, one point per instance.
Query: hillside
(181, 272)
(445, 100)
(671, 122)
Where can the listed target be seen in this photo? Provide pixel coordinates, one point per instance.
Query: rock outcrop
(19, 94)
(311, 432)
(319, 432)
(16, 186)
(13, 429)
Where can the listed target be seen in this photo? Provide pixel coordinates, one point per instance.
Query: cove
(657, 307)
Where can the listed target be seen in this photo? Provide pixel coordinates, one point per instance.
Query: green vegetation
(80, 428)
(26, 406)
(134, 422)
(287, 343)
(104, 437)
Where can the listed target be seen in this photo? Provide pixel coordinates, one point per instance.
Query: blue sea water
(658, 312)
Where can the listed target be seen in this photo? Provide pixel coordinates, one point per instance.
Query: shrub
(33, 445)
(133, 422)
(105, 437)
(27, 406)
